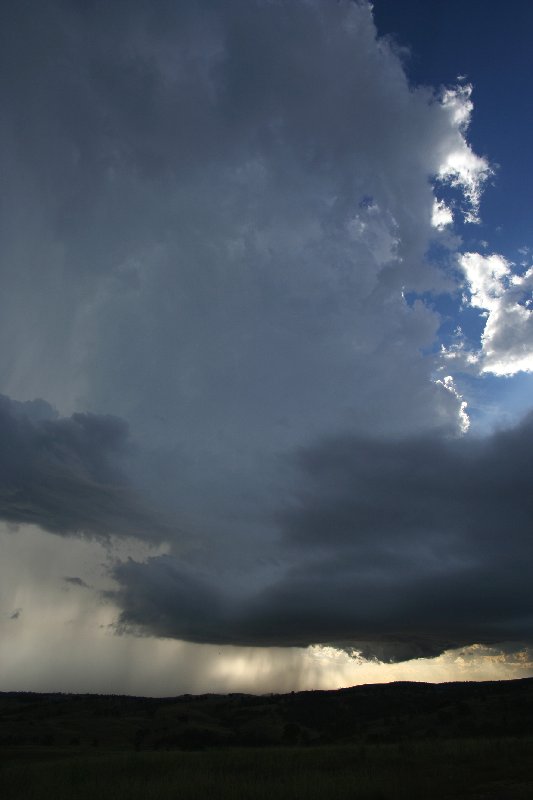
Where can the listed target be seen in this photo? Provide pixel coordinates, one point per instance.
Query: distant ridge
(383, 712)
(343, 689)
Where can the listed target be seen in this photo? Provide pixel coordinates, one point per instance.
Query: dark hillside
(379, 713)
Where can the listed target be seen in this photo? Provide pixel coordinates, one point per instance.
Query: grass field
(501, 769)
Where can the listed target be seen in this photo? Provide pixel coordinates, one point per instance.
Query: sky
(266, 344)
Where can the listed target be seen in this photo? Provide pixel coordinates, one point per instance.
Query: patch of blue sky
(495, 402)
(456, 316)
(489, 44)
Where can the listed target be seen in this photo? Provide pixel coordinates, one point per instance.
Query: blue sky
(490, 47)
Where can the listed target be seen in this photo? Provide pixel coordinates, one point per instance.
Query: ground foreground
(390, 742)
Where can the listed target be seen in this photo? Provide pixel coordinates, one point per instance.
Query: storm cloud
(63, 474)
(227, 229)
(399, 548)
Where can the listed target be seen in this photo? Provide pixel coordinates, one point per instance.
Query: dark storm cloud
(401, 549)
(62, 474)
(75, 581)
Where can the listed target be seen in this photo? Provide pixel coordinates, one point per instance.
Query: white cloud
(448, 384)
(460, 167)
(506, 298)
(442, 215)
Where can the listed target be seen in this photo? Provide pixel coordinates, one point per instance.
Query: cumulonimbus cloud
(235, 200)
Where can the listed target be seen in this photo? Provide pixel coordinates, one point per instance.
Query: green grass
(498, 769)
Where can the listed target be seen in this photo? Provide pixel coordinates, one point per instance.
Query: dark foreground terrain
(402, 740)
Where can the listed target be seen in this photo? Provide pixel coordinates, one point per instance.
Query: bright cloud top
(506, 299)
(461, 167)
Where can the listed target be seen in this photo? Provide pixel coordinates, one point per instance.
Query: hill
(362, 714)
